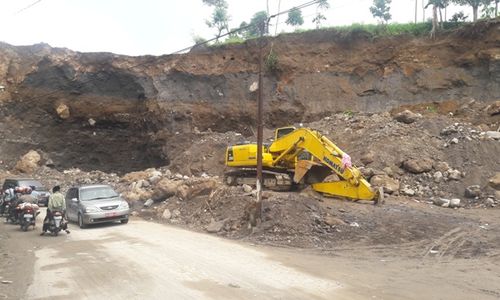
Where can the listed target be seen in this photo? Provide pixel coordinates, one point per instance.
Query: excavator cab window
(280, 132)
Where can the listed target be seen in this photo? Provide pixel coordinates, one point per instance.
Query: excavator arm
(286, 149)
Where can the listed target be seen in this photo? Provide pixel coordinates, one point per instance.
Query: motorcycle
(28, 213)
(13, 212)
(4, 207)
(57, 223)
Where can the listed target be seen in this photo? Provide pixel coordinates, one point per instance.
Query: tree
(318, 19)
(295, 17)
(475, 5)
(488, 12)
(220, 18)
(380, 9)
(322, 5)
(252, 29)
(496, 7)
(459, 17)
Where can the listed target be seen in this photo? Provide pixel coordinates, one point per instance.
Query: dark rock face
(142, 104)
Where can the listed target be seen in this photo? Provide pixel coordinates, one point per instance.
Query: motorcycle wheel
(24, 227)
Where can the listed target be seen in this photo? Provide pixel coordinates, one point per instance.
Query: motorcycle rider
(26, 196)
(56, 202)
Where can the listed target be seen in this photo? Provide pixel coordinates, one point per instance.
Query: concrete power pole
(260, 126)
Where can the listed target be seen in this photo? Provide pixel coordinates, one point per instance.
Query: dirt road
(143, 260)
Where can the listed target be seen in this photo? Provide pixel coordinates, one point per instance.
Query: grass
(375, 30)
(415, 29)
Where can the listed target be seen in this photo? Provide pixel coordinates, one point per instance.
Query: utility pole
(258, 207)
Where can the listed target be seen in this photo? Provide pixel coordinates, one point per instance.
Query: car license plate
(28, 216)
(110, 214)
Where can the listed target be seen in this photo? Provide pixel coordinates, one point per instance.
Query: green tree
(488, 12)
(258, 19)
(220, 17)
(459, 17)
(475, 5)
(295, 17)
(380, 9)
(322, 5)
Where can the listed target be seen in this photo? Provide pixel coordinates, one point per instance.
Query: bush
(272, 62)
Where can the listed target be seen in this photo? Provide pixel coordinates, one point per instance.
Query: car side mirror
(74, 200)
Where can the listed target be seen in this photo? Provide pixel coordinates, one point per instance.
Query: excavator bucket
(345, 189)
(301, 168)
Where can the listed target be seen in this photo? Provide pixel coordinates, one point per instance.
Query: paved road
(143, 260)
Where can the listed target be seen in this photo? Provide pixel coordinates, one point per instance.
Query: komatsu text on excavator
(298, 157)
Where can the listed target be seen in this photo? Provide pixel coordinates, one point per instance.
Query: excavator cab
(281, 132)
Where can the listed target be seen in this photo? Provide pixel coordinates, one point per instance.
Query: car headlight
(91, 209)
(123, 205)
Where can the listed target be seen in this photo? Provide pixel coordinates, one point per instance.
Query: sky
(157, 27)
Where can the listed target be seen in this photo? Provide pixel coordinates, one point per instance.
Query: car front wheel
(80, 221)
(124, 221)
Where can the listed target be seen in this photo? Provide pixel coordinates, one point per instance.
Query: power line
(27, 7)
(179, 51)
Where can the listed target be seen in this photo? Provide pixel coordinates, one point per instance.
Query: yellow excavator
(298, 157)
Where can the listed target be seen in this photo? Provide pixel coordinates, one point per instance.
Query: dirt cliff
(126, 113)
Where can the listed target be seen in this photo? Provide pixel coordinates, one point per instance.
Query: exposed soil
(419, 117)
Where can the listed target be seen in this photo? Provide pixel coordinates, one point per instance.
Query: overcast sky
(138, 27)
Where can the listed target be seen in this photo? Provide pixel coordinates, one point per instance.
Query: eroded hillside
(147, 110)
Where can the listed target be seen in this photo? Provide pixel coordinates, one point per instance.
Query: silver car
(91, 204)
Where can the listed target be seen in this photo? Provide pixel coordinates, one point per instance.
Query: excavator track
(276, 181)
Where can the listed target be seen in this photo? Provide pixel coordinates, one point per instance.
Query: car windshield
(38, 186)
(96, 193)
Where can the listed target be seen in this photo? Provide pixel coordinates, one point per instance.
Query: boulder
(62, 111)
(388, 171)
(135, 176)
(441, 202)
(454, 174)
(442, 166)
(215, 226)
(165, 188)
(333, 221)
(406, 117)
(154, 179)
(199, 187)
(417, 166)
(368, 158)
(493, 134)
(366, 172)
(28, 162)
(408, 192)
(148, 203)
(438, 177)
(494, 108)
(497, 195)
(389, 184)
(166, 214)
(454, 203)
(489, 202)
(494, 181)
(247, 188)
(472, 191)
